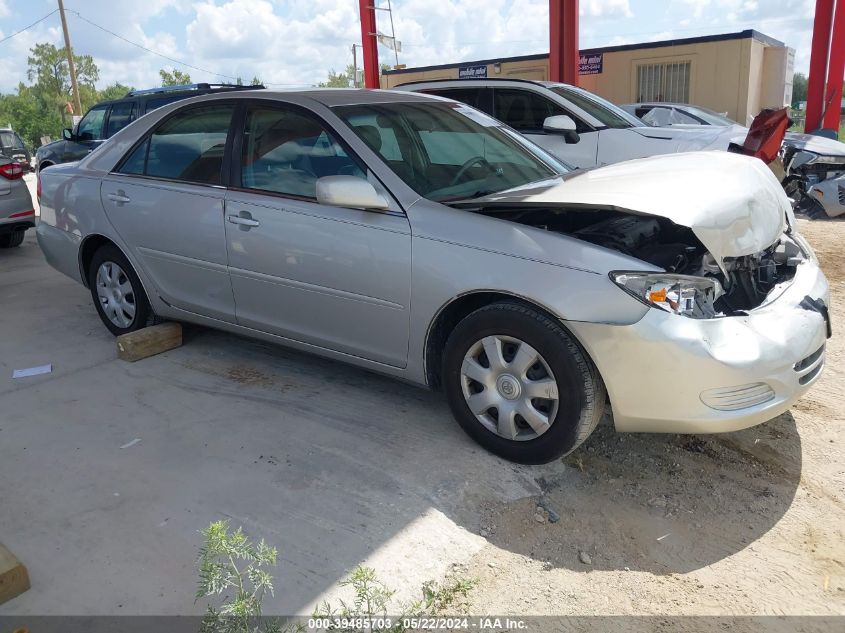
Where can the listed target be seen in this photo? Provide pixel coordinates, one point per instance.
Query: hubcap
(509, 387)
(117, 298)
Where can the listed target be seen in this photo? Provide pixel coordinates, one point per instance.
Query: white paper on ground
(131, 443)
(32, 371)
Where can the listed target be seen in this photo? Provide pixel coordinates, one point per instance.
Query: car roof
(326, 96)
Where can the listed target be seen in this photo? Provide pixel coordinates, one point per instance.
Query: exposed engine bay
(675, 249)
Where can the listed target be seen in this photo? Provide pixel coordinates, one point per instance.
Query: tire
(564, 424)
(12, 240)
(116, 315)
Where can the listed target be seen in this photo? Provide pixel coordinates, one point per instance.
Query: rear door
(333, 277)
(526, 110)
(166, 201)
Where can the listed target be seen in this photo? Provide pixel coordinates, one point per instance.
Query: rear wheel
(117, 292)
(11, 240)
(519, 384)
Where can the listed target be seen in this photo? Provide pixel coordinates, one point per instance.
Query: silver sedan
(418, 237)
(16, 211)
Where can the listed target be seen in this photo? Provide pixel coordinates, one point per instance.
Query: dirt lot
(337, 467)
(747, 523)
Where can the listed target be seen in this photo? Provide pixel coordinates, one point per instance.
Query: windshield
(448, 151)
(609, 114)
(709, 117)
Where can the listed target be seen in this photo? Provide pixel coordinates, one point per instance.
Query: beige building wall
(738, 76)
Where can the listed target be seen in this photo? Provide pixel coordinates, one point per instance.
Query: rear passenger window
(121, 115)
(286, 152)
(134, 164)
(188, 147)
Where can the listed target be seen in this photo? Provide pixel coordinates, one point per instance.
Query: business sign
(591, 64)
(472, 72)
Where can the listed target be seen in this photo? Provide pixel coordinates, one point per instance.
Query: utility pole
(354, 66)
(77, 101)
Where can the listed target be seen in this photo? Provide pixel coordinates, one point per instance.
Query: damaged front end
(690, 282)
(815, 174)
(715, 227)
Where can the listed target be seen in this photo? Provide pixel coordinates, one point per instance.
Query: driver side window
(287, 152)
(91, 126)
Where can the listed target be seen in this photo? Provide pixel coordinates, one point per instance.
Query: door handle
(244, 220)
(120, 197)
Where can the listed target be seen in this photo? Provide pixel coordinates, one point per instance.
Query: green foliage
(372, 602)
(799, 88)
(115, 91)
(174, 77)
(255, 81)
(232, 567)
(344, 79)
(41, 108)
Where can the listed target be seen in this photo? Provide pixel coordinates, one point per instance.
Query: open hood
(733, 204)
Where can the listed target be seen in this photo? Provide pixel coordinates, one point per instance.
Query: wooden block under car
(14, 579)
(149, 341)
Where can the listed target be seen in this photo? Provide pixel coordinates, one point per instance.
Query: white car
(575, 125)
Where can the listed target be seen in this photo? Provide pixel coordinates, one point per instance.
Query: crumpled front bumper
(660, 371)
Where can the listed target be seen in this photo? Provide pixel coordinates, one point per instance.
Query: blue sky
(296, 42)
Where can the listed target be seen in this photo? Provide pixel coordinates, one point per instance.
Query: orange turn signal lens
(658, 296)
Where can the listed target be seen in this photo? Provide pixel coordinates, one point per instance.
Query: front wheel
(117, 292)
(519, 384)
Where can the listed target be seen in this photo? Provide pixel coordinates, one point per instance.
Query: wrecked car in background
(814, 166)
(418, 237)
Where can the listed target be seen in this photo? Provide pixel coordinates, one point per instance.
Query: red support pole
(818, 64)
(370, 43)
(835, 71)
(563, 41)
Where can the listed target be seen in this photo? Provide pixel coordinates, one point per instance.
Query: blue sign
(591, 64)
(472, 72)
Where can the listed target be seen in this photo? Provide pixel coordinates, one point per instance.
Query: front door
(166, 202)
(336, 278)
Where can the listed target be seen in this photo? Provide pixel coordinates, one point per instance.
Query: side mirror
(349, 191)
(561, 124)
(67, 134)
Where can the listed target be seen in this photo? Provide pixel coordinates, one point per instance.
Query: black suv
(109, 117)
(12, 147)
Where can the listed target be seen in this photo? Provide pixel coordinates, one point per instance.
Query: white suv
(573, 124)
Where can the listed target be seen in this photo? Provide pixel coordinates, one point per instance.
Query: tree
(115, 91)
(255, 81)
(799, 89)
(174, 77)
(48, 68)
(344, 79)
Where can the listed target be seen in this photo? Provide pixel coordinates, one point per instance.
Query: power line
(26, 28)
(163, 56)
(149, 50)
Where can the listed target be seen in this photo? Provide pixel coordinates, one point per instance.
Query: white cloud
(296, 42)
(606, 8)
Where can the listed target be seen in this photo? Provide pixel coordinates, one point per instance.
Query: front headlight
(685, 295)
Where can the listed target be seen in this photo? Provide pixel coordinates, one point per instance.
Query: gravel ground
(747, 523)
